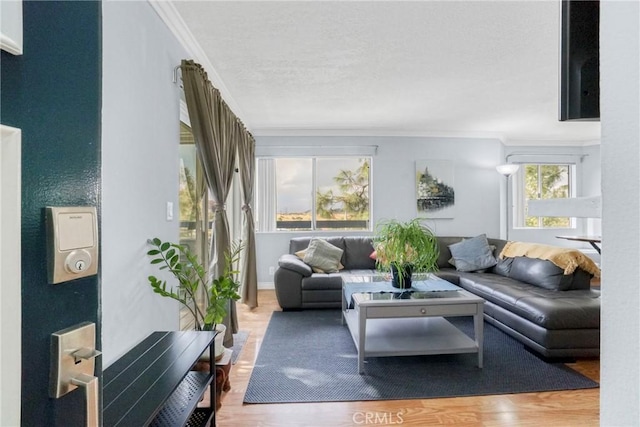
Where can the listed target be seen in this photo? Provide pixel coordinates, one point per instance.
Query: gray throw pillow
(323, 255)
(473, 254)
(452, 260)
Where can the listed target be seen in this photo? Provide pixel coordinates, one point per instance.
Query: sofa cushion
(547, 308)
(503, 267)
(449, 274)
(473, 254)
(322, 282)
(541, 273)
(357, 251)
(323, 255)
(566, 258)
(444, 254)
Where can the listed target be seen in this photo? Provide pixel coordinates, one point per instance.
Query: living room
(130, 126)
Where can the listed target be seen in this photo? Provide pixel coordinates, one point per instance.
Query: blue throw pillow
(473, 254)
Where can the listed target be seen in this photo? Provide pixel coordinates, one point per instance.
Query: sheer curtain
(248, 270)
(216, 131)
(202, 221)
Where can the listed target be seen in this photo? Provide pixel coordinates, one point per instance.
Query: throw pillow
(302, 253)
(452, 260)
(323, 255)
(473, 254)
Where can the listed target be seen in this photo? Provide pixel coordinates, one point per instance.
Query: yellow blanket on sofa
(565, 258)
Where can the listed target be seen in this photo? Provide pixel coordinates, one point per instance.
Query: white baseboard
(266, 285)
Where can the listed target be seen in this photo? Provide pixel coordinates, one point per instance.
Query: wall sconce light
(507, 169)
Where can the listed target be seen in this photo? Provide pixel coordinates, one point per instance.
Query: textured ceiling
(487, 69)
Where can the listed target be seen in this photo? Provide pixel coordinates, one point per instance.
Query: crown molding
(303, 132)
(374, 133)
(173, 20)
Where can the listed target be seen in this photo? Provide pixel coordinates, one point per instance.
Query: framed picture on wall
(435, 194)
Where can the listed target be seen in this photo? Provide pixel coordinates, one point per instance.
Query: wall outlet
(272, 271)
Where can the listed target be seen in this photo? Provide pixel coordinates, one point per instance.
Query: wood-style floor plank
(549, 409)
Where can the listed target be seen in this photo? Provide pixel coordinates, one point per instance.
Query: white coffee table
(382, 324)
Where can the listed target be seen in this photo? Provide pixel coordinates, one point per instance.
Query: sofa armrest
(288, 281)
(293, 263)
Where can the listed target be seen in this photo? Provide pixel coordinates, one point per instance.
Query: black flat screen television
(580, 60)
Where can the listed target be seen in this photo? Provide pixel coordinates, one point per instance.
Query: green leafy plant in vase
(405, 248)
(193, 280)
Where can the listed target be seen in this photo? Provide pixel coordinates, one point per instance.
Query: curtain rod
(177, 75)
(320, 146)
(581, 155)
(339, 147)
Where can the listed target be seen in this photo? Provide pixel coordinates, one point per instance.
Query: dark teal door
(53, 93)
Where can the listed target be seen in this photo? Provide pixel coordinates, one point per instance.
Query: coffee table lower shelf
(409, 337)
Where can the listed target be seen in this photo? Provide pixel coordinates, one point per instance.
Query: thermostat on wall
(72, 242)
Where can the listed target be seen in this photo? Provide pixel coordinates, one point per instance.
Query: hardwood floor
(562, 409)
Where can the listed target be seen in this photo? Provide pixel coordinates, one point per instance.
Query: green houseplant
(193, 279)
(405, 247)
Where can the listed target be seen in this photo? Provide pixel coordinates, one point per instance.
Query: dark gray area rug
(309, 356)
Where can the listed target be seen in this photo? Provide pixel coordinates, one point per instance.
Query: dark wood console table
(153, 384)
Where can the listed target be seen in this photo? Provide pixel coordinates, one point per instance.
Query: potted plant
(192, 280)
(405, 247)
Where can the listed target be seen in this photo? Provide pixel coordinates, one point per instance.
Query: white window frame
(519, 198)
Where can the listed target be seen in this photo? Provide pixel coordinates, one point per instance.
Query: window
(543, 181)
(194, 230)
(313, 193)
(192, 222)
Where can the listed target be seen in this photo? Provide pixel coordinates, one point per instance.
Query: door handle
(89, 384)
(73, 355)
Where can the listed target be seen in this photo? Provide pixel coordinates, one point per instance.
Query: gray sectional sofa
(554, 314)
(297, 286)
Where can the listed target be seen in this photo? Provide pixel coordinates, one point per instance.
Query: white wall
(620, 116)
(140, 139)
(591, 171)
(476, 182)
(591, 186)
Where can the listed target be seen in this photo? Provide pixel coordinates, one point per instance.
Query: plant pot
(217, 343)
(403, 282)
(219, 340)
